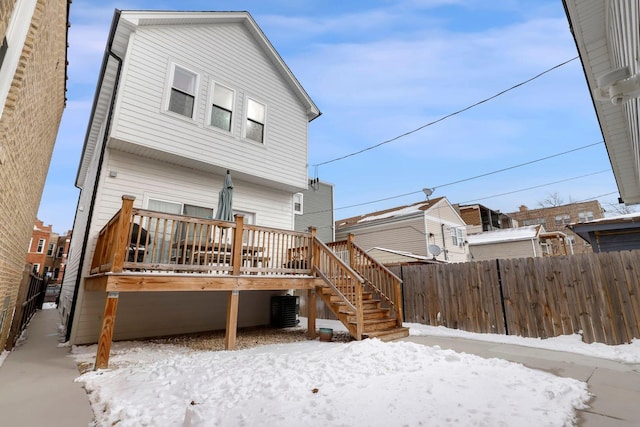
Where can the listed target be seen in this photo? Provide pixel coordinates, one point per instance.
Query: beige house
(520, 242)
(33, 40)
(393, 257)
(431, 228)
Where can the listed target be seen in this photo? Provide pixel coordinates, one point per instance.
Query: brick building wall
(28, 127)
(556, 218)
(40, 240)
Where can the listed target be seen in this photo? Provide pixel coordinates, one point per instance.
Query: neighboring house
(394, 257)
(40, 248)
(520, 242)
(182, 97)
(617, 233)
(606, 36)
(313, 207)
(58, 260)
(33, 49)
(480, 218)
(556, 218)
(432, 228)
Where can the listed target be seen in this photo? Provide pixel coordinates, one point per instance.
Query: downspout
(533, 244)
(85, 240)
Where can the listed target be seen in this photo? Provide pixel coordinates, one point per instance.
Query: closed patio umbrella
(225, 198)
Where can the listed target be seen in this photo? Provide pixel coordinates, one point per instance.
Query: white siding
(151, 314)
(440, 220)
(225, 53)
(144, 178)
(517, 249)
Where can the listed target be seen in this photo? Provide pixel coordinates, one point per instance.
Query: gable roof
(397, 212)
(506, 235)
(125, 22)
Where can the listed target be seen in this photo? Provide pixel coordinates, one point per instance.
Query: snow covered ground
(367, 383)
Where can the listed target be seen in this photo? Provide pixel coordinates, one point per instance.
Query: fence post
(16, 320)
(122, 233)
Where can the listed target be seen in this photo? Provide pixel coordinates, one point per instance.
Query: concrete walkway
(37, 385)
(615, 386)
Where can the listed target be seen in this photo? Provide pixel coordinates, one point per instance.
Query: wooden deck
(146, 251)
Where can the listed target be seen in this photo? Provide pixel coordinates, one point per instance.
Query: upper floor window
(297, 203)
(52, 248)
(585, 216)
(221, 107)
(35, 268)
(563, 219)
(254, 127)
(457, 236)
(60, 252)
(183, 91)
(40, 248)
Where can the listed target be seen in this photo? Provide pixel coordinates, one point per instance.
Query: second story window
(222, 107)
(457, 236)
(40, 248)
(183, 91)
(52, 247)
(563, 219)
(60, 252)
(254, 127)
(585, 216)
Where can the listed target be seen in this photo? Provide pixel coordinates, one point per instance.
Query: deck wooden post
(237, 244)
(311, 314)
(232, 320)
(106, 333)
(122, 233)
(352, 254)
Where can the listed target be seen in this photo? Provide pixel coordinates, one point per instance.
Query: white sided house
(182, 97)
(431, 229)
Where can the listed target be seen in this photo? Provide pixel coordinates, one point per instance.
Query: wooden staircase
(363, 294)
(378, 321)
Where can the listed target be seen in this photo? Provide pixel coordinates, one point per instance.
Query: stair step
(389, 334)
(372, 325)
(365, 295)
(367, 305)
(373, 313)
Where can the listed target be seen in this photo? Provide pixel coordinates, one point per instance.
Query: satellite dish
(435, 250)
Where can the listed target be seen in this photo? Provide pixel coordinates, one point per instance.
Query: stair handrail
(341, 281)
(394, 295)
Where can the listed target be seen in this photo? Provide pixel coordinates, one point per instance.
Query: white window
(40, 248)
(221, 107)
(297, 203)
(563, 219)
(52, 248)
(60, 252)
(254, 126)
(585, 216)
(36, 268)
(457, 236)
(184, 84)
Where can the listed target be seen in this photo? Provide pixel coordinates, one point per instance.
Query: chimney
(523, 208)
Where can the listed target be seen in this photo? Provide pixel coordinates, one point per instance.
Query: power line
(448, 115)
(463, 180)
(536, 186)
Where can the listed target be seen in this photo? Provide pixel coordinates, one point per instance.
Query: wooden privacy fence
(597, 295)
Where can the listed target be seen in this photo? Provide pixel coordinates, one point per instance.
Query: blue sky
(379, 69)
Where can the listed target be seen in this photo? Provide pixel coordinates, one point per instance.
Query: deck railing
(144, 240)
(382, 282)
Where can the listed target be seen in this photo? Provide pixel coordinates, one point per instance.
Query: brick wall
(549, 215)
(28, 128)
